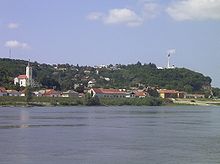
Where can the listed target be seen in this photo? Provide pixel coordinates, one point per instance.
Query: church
(25, 80)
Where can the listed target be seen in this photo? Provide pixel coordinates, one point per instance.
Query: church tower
(29, 74)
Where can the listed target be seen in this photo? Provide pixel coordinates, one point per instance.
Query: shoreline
(57, 101)
(176, 102)
(197, 102)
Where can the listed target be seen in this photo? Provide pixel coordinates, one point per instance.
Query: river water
(111, 135)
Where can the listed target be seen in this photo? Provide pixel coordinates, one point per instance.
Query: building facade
(164, 93)
(107, 93)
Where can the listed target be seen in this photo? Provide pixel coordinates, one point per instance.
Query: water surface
(112, 135)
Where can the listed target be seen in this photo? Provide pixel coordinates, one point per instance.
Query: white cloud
(123, 16)
(16, 44)
(195, 10)
(117, 16)
(95, 16)
(13, 25)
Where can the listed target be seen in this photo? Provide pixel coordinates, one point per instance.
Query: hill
(65, 76)
(148, 75)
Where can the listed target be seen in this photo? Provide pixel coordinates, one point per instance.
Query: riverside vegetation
(88, 101)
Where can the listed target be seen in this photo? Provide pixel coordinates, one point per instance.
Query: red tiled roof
(2, 89)
(140, 94)
(22, 77)
(168, 91)
(50, 92)
(12, 91)
(107, 91)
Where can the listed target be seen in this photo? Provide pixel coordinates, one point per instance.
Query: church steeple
(29, 74)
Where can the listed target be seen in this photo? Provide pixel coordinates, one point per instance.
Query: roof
(2, 89)
(107, 91)
(92, 81)
(70, 92)
(22, 77)
(51, 92)
(140, 94)
(168, 91)
(12, 91)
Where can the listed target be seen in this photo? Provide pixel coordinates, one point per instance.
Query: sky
(96, 32)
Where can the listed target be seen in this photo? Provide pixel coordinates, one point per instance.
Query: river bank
(58, 101)
(197, 102)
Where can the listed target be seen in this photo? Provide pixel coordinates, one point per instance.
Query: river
(110, 135)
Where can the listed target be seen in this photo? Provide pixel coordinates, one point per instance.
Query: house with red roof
(164, 93)
(3, 91)
(138, 94)
(107, 93)
(13, 93)
(51, 93)
(21, 80)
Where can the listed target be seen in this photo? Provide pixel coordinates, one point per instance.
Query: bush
(148, 101)
(92, 101)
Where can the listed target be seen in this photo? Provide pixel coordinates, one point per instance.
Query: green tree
(188, 88)
(80, 89)
(28, 94)
(153, 92)
(50, 83)
(92, 101)
(216, 92)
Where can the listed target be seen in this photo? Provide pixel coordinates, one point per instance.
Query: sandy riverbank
(200, 102)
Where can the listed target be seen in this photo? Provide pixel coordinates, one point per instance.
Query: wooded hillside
(65, 76)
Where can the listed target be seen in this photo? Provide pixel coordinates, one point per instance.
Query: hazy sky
(94, 32)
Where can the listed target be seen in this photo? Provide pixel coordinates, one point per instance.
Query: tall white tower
(169, 53)
(168, 61)
(29, 74)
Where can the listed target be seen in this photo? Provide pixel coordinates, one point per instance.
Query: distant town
(108, 81)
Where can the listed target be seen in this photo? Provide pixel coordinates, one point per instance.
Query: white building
(107, 93)
(91, 83)
(21, 80)
(25, 80)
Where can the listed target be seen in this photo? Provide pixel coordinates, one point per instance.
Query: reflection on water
(24, 116)
(119, 135)
(37, 126)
